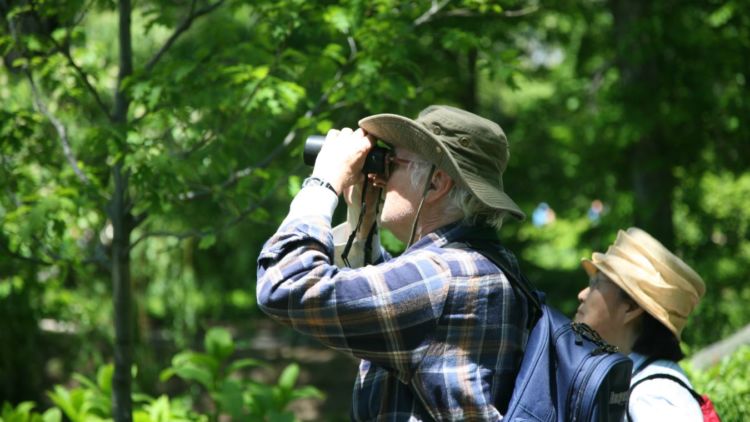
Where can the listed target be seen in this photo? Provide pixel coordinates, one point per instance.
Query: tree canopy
(148, 148)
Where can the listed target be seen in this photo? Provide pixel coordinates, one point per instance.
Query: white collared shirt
(661, 399)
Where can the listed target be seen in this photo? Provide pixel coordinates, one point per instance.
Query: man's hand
(341, 159)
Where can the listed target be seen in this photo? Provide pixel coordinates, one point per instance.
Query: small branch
(521, 12)
(83, 13)
(42, 108)
(184, 26)
(247, 171)
(203, 233)
(25, 258)
(436, 11)
(431, 12)
(81, 73)
(83, 76)
(60, 128)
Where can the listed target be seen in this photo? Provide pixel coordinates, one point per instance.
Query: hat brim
(406, 133)
(646, 304)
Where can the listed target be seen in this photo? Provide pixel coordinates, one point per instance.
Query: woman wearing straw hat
(638, 299)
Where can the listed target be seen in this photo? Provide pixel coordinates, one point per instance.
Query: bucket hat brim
(404, 132)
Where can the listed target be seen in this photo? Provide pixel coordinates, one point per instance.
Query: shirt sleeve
(663, 400)
(379, 312)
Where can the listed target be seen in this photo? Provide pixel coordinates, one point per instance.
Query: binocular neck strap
(370, 233)
(421, 202)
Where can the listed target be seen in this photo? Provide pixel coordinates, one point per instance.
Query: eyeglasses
(393, 161)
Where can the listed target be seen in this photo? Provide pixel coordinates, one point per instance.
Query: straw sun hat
(471, 149)
(657, 280)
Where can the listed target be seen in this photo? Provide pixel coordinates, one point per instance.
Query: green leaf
(244, 363)
(230, 399)
(52, 415)
(274, 416)
(288, 377)
(307, 392)
(219, 343)
(194, 373)
(104, 378)
(207, 241)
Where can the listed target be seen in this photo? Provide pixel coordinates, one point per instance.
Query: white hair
(460, 199)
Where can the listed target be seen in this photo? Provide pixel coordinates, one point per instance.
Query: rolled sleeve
(380, 313)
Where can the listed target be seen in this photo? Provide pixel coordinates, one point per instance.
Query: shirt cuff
(312, 201)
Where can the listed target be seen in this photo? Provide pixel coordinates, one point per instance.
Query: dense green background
(149, 165)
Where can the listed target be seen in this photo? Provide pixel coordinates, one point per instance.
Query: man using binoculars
(439, 330)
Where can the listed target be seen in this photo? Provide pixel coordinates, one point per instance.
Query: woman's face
(605, 308)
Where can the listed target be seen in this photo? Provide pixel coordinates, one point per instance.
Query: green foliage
(727, 384)
(220, 380)
(24, 412)
(91, 401)
(639, 105)
(242, 400)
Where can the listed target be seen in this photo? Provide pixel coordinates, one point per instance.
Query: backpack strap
(516, 278)
(644, 364)
(673, 378)
(693, 393)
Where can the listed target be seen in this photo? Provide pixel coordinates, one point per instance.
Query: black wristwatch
(317, 181)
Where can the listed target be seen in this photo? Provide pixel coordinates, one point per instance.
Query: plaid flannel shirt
(439, 330)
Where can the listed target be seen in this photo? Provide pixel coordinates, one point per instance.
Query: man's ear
(440, 185)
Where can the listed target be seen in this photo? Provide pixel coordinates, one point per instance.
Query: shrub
(727, 384)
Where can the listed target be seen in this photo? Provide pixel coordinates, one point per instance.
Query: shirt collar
(638, 360)
(454, 232)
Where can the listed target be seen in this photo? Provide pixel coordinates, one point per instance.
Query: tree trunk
(468, 94)
(638, 61)
(122, 297)
(119, 210)
(653, 184)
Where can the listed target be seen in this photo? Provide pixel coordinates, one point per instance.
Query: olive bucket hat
(471, 149)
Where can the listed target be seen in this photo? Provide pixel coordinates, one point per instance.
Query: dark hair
(655, 340)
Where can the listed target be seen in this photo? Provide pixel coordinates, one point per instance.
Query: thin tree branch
(207, 232)
(60, 128)
(54, 258)
(82, 14)
(521, 12)
(247, 171)
(184, 26)
(83, 76)
(81, 73)
(431, 12)
(436, 11)
(20, 257)
(42, 108)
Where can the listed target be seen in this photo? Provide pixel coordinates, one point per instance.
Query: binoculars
(375, 162)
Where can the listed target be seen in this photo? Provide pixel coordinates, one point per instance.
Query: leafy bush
(241, 399)
(727, 385)
(24, 412)
(213, 371)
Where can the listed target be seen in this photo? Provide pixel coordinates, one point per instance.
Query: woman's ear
(440, 185)
(633, 312)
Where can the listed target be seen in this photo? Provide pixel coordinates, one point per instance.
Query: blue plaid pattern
(439, 330)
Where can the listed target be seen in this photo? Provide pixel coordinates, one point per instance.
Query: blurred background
(149, 147)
